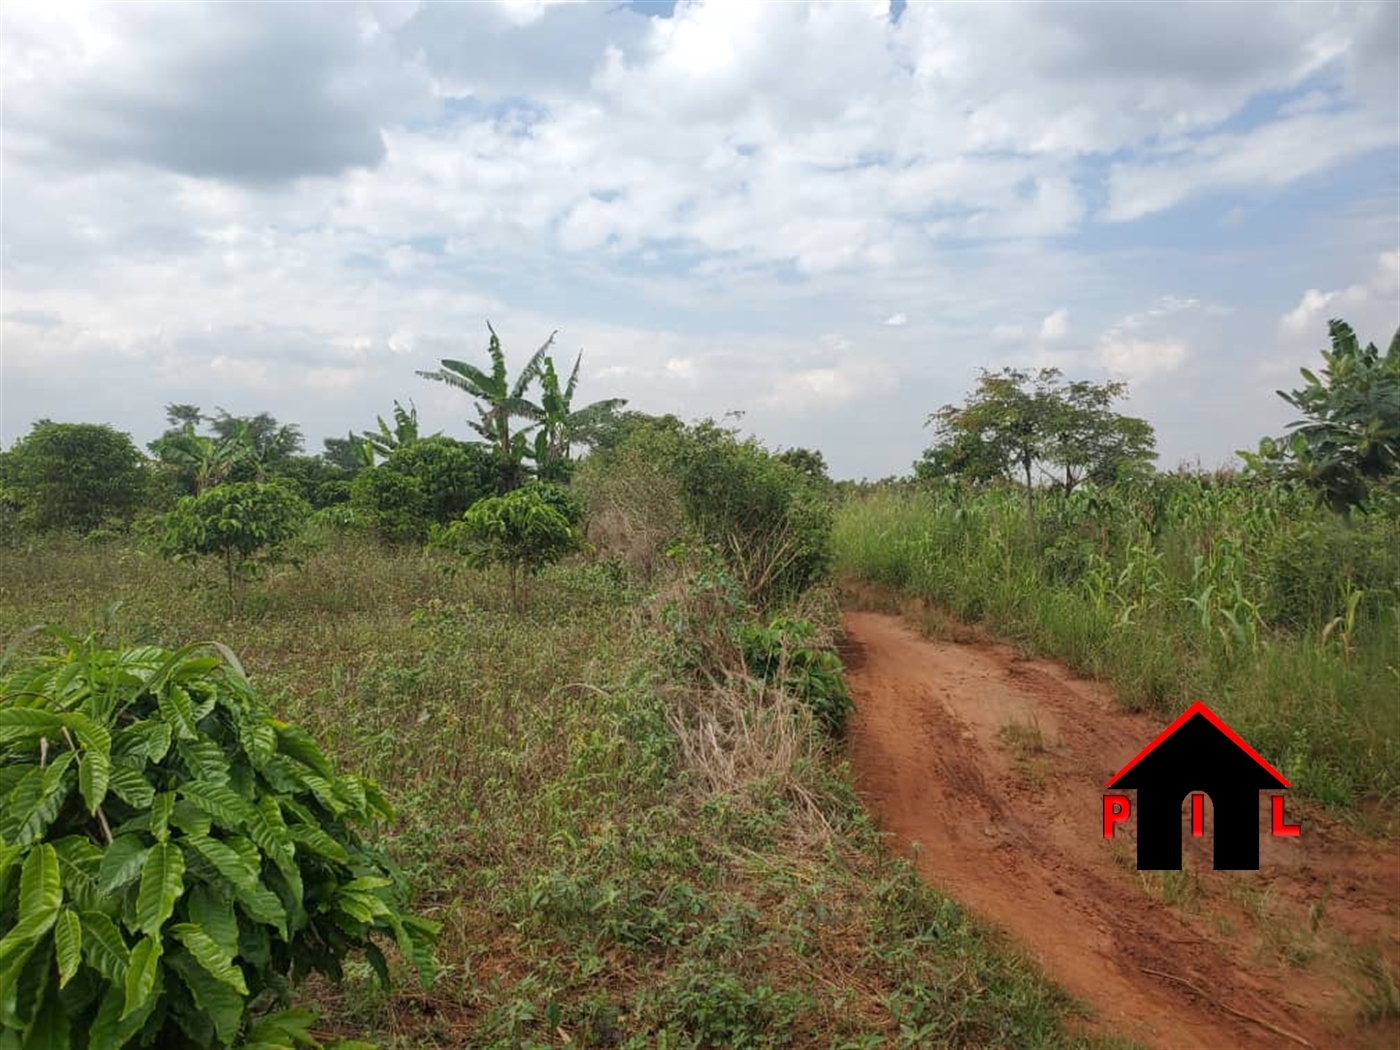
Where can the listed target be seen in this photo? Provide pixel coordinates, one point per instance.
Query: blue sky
(822, 216)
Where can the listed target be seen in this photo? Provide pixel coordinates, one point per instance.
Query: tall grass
(1284, 621)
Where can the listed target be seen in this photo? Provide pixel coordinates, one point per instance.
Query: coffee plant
(173, 857)
(784, 652)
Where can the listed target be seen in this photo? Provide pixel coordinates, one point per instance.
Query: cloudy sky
(826, 217)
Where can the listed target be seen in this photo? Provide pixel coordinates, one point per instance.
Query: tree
(1010, 421)
(421, 484)
(268, 441)
(1087, 439)
(806, 461)
(343, 453)
(73, 476)
(240, 448)
(244, 523)
(198, 461)
(1348, 444)
(561, 425)
(523, 530)
(498, 402)
(1016, 422)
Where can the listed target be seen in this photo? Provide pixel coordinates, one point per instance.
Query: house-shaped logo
(1197, 753)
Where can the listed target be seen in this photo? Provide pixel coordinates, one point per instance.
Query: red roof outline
(1199, 708)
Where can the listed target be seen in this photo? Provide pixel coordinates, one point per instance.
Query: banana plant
(498, 401)
(383, 442)
(202, 462)
(560, 424)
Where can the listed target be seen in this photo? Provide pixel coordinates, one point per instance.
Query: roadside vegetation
(1272, 594)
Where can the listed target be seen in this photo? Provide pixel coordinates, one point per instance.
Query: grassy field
(618, 858)
(1281, 617)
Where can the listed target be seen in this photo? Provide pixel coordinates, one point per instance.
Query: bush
(73, 476)
(429, 482)
(767, 518)
(521, 530)
(392, 505)
(244, 523)
(632, 498)
(781, 654)
(172, 857)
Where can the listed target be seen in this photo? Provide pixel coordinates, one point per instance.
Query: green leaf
(68, 942)
(130, 786)
(220, 802)
(141, 975)
(19, 723)
(298, 744)
(258, 738)
(261, 904)
(267, 828)
(212, 911)
(40, 893)
(122, 863)
(36, 801)
(210, 955)
(205, 759)
(178, 710)
(110, 1028)
(313, 839)
(162, 882)
(162, 806)
(224, 860)
(104, 947)
(95, 763)
(221, 1004)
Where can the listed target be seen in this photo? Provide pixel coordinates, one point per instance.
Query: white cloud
(1134, 358)
(1056, 325)
(1315, 307)
(309, 198)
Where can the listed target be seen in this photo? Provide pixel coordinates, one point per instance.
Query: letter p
(1115, 810)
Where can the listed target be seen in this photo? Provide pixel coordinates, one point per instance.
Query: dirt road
(994, 765)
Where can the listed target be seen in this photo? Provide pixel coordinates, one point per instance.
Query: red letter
(1280, 828)
(1115, 811)
(1198, 815)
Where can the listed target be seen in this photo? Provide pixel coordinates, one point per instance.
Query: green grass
(1227, 595)
(595, 884)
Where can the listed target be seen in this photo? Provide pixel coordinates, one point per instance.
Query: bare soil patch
(990, 767)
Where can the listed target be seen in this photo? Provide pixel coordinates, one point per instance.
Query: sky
(826, 217)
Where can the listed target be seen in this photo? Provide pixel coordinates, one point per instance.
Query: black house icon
(1198, 752)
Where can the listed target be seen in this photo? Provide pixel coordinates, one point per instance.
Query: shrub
(244, 523)
(782, 654)
(392, 505)
(521, 530)
(172, 857)
(73, 476)
(632, 497)
(426, 483)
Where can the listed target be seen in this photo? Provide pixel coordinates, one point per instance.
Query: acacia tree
(1015, 422)
(498, 402)
(1348, 444)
